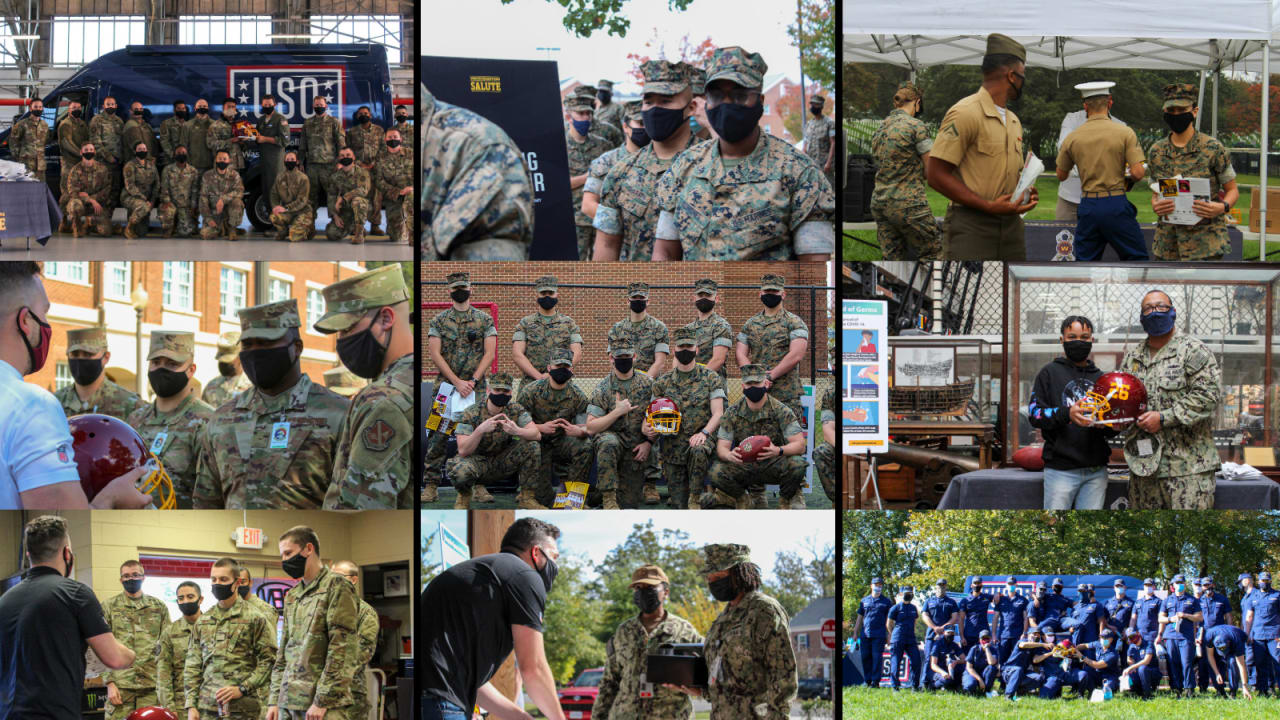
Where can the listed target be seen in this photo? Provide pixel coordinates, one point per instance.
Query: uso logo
(295, 88)
(273, 591)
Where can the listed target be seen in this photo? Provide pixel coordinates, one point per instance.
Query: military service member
(175, 130)
(366, 143)
(623, 690)
(272, 137)
(461, 343)
(141, 190)
(976, 159)
(904, 223)
(699, 123)
(90, 390)
(626, 219)
(231, 378)
(73, 133)
(584, 147)
(370, 314)
(491, 446)
(633, 125)
(201, 155)
(179, 196)
(699, 395)
(712, 331)
(171, 653)
(402, 124)
(28, 138)
(88, 196)
(222, 136)
(1190, 153)
(824, 455)
(104, 132)
(232, 653)
(1170, 448)
(137, 131)
(748, 648)
(608, 131)
(749, 195)
(539, 335)
(271, 447)
(777, 339)
(559, 411)
(606, 110)
(291, 214)
(318, 644)
(781, 463)
(244, 588)
(344, 382)
(221, 200)
(171, 424)
(137, 620)
(647, 334)
(477, 199)
(614, 416)
(348, 193)
(366, 639)
(820, 138)
(319, 144)
(394, 178)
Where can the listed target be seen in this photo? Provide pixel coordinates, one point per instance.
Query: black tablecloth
(29, 211)
(1043, 237)
(1015, 489)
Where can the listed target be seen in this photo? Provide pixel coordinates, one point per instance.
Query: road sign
(829, 634)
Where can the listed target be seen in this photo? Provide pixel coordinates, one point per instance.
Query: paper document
(1184, 192)
(457, 403)
(1030, 171)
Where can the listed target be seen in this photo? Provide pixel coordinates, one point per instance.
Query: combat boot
(65, 225)
(480, 495)
(797, 502)
(695, 500)
(357, 237)
(716, 499)
(758, 501)
(651, 496)
(742, 503)
(430, 494)
(464, 500)
(374, 230)
(611, 500)
(525, 501)
(129, 233)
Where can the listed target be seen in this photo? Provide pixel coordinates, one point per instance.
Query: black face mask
(85, 370)
(661, 123)
(1178, 122)
(222, 164)
(640, 136)
(402, 118)
(735, 122)
(623, 364)
(603, 96)
(36, 113)
(546, 302)
(166, 382)
(560, 375)
(266, 367)
(548, 572)
(291, 164)
(222, 591)
(722, 589)
(181, 114)
(704, 304)
(1077, 350)
(638, 306)
(906, 597)
(295, 567)
(646, 599)
(137, 113)
(77, 113)
(460, 295)
(87, 156)
(140, 154)
(243, 591)
(226, 369)
(1017, 90)
(817, 111)
(393, 144)
(202, 111)
(685, 356)
(180, 158)
(771, 300)
(362, 353)
(319, 109)
(755, 394)
(499, 399)
(268, 109)
(189, 609)
(345, 161)
(131, 586)
(364, 119)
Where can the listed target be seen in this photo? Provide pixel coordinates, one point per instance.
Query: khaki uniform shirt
(1101, 149)
(986, 151)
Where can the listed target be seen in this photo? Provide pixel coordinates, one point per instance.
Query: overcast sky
(487, 28)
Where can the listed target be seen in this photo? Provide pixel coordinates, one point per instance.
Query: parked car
(577, 699)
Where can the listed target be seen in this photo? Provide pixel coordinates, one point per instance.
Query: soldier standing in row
(104, 132)
(584, 147)
(348, 193)
(319, 144)
(607, 111)
(713, 332)
(402, 124)
(179, 196)
(221, 199)
(699, 395)
(394, 178)
(496, 438)
(28, 138)
(271, 447)
(559, 410)
(820, 138)
(175, 131)
(171, 424)
(905, 226)
(272, 137)
(614, 416)
(90, 390)
(782, 463)
(171, 653)
(137, 620)
(141, 189)
(366, 143)
(611, 133)
(222, 136)
(291, 215)
(198, 142)
(777, 339)
(137, 131)
(539, 335)
(88, 195)
(244, 588)
(231, 378)
(366, 637)
(633, 125)
(73, 133)
(698, 122)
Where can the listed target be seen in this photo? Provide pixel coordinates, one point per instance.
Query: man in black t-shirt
(476, 613)
(46, 621)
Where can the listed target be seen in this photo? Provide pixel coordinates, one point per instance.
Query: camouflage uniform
(405, 129)
(692, 391)
(371, 468)
(73, 133)
(141, 188)
(751, 663)
(238, 468)
(612, 134)
(824, 454)
(171, 662)
(318, 147)
(648, 337)
(198, 152)
(221, 389)
(352, 187)
(137, 624)
(233, 646)
(110, 398)
(498, 454)
(365, 140)
(619, 475)
(271, 157)
(545, 334)
(600, 168)
(219, 136)
(773, 204)
(477, 198)
(544, 404)
(713, 332)
(229, 188)
(393, 173)
(95, 180)
(613, 113)
(318, 648)
(1202, 157)
(367, 641)
(581, 154)
(741, 422)
(179, 199)
(138, 130)
(27, 140)
(291, 191)
(768, 339)
(175, 131)
(344, 382)
(905, 225)
(104, 132)
(1184, 385)
(819, 135)
(268, 611)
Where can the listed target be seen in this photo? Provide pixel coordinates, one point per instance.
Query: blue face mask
(581, 126)
(1159, 323)
(1180, 588)
(1106, 642)
(694, 125)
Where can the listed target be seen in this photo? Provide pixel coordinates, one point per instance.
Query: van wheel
(259, 211)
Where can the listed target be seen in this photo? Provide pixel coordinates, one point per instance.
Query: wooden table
(855, 470)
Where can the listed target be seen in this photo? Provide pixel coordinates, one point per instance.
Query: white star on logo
(328, 99)
(244, 85)
(328, 84)
(244, 99)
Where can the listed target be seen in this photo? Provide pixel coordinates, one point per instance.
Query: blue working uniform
(1019, 674)
(903, 641)
(1052, 609)
(1119, 612)
(1246, 602)
(1215, 607)
(1108, 676)
(1180, 641)
(1234, 643)
(1146, 612)
(1012, 612)
(873, 635)
(939, 610)
(1083, 623)
(947, 652)
(1264, 633)
(977, 657)
(975, 609)
(1143, 680)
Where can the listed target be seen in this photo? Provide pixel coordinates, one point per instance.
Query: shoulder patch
(378, 436)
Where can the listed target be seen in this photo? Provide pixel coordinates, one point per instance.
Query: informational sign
(864, 377)
(248, 538)
(523, 98)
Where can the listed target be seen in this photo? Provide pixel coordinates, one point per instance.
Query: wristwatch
(1225, 205)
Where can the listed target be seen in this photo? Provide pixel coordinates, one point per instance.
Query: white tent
(1172, 35)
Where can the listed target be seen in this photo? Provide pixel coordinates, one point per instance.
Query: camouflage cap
(998, 44)
(546, 282)
(228, 346)
(270, 321)
(605, 85)
(817, 100)
(772, 282)
(579, 102)
(648, 576)
(90, 340)
(698, 80)
(723, 556)
(343, 381)
(684, 335)
(754, 373)
(738, 66)
(637, 289)
(173, 344)
(562, 356)
(458, 279)
(586, 91)
(346, 301)
(621, 344)
(706, 285)
(500, 381)
(632, 111)
(664, 77)
(1183, 95)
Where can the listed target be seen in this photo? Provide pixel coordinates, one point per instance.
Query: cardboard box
(1273, 210)
(677, 665)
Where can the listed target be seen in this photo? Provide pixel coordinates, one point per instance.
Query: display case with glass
(940, 377)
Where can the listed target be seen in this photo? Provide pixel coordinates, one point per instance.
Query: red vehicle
(577, 699)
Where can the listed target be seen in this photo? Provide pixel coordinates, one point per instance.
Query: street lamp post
(138, 298)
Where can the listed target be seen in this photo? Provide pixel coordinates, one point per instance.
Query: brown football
(750, 448)
(1029, 457)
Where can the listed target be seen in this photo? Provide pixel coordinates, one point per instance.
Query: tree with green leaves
(430, 568)
(670, 550)
(800, 579)
(570, 622)
(584, 17)
(814, 34)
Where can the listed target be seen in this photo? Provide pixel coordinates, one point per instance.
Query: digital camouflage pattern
(740, 422)
(73, 133)
(581, 155)
(751, 663)
(365, 140)
(692, 392)
(616, 467)
(238, 468)
(318, 147)
(141, 188)
(611, 114)
(108, 399)
(819, 135)
(226, 186)
(221, 389)
(477, 198)
(404, 128)
(824, 454)
(712, 332)
(1203, 157)
(648, 337)
(367, 642)
(629, 201)
(624, 673)
(230, 646)
(904, 223)
(601, 166)
(393, 173)
(137, 624)
(174, 438)
(105, 130)
(722, 556)
(348, 194)
(179, 199)
(175, 131)
(544, 335)
(292, 192)
(371, 468)
(27, 141)
(462, 335)
(768, 339)
(171, 662)
(498, 454)
(138, 131)
(95, 180)
(544, 404)
(318, 646)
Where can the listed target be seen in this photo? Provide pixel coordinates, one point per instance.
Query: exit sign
(248, 538)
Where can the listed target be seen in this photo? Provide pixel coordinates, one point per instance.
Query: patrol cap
(1039, 630)
(949, 629)
(343, 381)
(621, 344)
(270, 321)
(738, 66)
(942, 582)
(458, 279)
(1264, 575)
(1108, 632)
(1048, 628)
(664, 77)
(984, 634)
(817, 100)
(1179, 578)
(90, 340)
(500, 381)
(758, 373)
(1149, 581)
(638, 289)
(1242, 576)
(1183, 95)
(1134, 632)
(1010, 579)
(346, 301)
(907, 589)
(1118, 583)
(632, 111)
(1041, 586)
(877, 581)
(697, 79)
(588, 92)
(228, 346)
(579, 103)
(1082, 587)
(998, 44)
(1206, 580)
(684, 336)
(605, 85)
(562, 356)
(1197, 582)
(723, 556)
(648, 576)
(1221, 641)
(1057, 582)
(1093, 89)
(706, 285)
(176, 345)
(546, 282)
(771, 281)
(976, 582)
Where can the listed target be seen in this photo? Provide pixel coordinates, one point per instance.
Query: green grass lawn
(868, 704)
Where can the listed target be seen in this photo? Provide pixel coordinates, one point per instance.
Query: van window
(63, 103)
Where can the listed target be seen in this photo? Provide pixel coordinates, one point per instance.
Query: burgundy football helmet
(1117, 398)
(663, 416)
(106, 448)
(152, 712)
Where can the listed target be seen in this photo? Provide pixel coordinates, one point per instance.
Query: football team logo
(295, 87)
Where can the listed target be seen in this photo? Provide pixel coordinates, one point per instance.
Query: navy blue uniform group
(1047, 642)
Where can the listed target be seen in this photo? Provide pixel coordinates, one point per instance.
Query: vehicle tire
(258, 208)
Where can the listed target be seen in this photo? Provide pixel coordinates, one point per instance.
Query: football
(1029, 458)
(750, 448)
